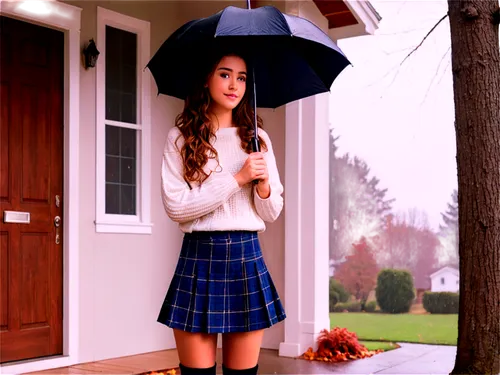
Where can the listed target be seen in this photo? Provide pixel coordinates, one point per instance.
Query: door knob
(57, 224)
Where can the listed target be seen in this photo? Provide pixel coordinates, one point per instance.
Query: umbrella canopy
(289, 57)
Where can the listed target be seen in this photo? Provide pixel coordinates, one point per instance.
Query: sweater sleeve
(181, 203)
(270, 208)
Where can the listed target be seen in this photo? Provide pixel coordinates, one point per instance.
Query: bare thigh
(196, 350)
(241, 350)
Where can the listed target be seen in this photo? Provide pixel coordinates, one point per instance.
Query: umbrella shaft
(256, 147)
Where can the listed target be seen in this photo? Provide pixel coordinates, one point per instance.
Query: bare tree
(416, 218)
(475, 55)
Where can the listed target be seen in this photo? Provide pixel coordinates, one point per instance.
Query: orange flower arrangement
(163, 372)
(338, 345)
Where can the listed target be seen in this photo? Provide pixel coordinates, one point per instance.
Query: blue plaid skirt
(221, 284)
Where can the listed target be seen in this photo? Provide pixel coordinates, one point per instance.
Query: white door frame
(66, 18)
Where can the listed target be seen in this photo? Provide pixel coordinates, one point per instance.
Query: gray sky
(399, 119)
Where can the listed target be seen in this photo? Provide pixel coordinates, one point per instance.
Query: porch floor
(409, 359)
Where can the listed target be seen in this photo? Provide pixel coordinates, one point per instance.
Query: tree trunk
(476, 79)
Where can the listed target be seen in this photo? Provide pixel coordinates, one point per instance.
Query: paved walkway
(409, 359)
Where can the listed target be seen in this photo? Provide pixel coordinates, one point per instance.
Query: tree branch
(423, 40)
(433, 78)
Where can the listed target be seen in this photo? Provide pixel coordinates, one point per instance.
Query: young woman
(221, 194)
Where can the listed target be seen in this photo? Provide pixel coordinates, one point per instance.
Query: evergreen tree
(448, 232)
(357, 205)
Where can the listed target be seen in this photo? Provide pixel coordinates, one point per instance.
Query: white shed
(446, 279)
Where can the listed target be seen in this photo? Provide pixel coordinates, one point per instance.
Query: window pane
(112, 140)
(129, 141)
(121, 170)
(127, 108)
(112, 169)
(121, 75)
(128, 200)
(112, 199)
(129, 83)
(128, 171)
(113, 105)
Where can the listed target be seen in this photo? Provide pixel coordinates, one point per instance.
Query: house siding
(451, 281)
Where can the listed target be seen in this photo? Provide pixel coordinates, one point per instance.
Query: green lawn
(424, 329)
(375, 345)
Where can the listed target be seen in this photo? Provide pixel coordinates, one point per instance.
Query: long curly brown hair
(194, 125)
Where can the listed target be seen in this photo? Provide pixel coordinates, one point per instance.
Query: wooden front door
(31, 163)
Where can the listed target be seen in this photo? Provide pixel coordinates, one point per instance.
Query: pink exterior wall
(123, 277)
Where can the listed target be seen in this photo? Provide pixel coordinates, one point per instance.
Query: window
(123, 124)
(442, 281)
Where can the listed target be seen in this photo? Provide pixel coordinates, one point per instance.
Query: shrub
(394, 291)
(441, 302)
(347, 306)
(370, 306)
(344, 295)
(337, 293)
(334, 298)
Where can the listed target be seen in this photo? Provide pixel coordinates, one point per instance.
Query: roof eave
(368, 21)
(441, 270)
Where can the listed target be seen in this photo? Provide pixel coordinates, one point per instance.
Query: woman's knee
(241, 352)
(196, 352)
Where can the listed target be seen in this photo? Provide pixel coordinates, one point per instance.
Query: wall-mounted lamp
(91, 54)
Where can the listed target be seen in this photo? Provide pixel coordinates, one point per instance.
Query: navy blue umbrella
(290, 58)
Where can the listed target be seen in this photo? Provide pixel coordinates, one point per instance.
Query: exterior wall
(451, 282)
(124, 277)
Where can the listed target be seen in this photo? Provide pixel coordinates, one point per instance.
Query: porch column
(306, 211)
(306, 224)
(315, 218)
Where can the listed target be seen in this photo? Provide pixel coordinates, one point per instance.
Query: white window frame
(141, 222)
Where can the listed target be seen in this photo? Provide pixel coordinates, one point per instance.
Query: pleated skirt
(221, 285)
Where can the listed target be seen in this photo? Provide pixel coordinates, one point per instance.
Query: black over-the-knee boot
(248, 371)
(197, 371)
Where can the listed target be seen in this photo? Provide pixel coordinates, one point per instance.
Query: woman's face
(227, 85)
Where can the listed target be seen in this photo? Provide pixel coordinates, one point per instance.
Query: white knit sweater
(219, 203)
